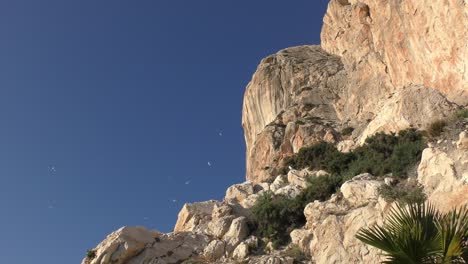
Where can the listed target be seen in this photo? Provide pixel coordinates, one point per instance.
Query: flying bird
(209, 163)
(187, 182)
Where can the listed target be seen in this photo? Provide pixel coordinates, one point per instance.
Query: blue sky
(110, 110)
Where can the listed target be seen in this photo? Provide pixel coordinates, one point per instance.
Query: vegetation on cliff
(276, 216)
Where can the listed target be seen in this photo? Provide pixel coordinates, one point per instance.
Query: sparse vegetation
(347, 131)
(406, 193)
(381, 154)
(436, 128)
(462, 113)
(90, 254)
(275, 216)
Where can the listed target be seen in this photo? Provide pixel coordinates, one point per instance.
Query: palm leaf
(453, 235)
(408, 235)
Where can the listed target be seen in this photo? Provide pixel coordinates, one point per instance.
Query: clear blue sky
(110, 110)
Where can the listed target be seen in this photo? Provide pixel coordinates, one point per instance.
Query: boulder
(219, 226)
(237, 232)
(279, 182)
(290, 191)
(214, 250)
(462, 142)
(123, 244)
(241, 251)
(239, 192)
(359, 192)
(195, 216)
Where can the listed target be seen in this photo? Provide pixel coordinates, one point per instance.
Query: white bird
(209, 163)
(174, 200)
(187, 182)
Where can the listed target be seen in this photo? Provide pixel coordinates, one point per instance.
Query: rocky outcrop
(136, 245)
(289, 103)
(382, 66)
(443, 172)
(329, 235)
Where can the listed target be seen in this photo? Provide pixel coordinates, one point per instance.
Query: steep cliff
(383, 66)
(396, 64)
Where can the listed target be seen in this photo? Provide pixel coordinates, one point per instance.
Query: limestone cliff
(383, 65)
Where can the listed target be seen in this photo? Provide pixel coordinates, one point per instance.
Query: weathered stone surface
(250, 201)
(221, 211)
(287, 105)
(239, 192)
(123, 244)
(400, 41)
(462, 142)
(302, 238)
(360, 192)
(290, 191)
(279, 182)
(237, 232)
(219, 226)
(346, 145)
(192, 215)
(172, 248)
(136, 245)
(241, 251)
(413, 106)
(214, 250)
(442, 174)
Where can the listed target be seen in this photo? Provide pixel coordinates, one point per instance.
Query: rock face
(444, 175)
(403, 40)
(383, 66)
(290, 102)
(380, 67)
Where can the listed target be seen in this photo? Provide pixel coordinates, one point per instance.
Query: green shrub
(381, 154)
(407, 193)
(436, 128)
(347, 131)
(462, 114)
(91, 254)
(322, 155)
(319, 188)
(275, 216)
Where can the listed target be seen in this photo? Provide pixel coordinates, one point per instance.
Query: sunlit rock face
(382, 66)
(290, 101)
(404, 42)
